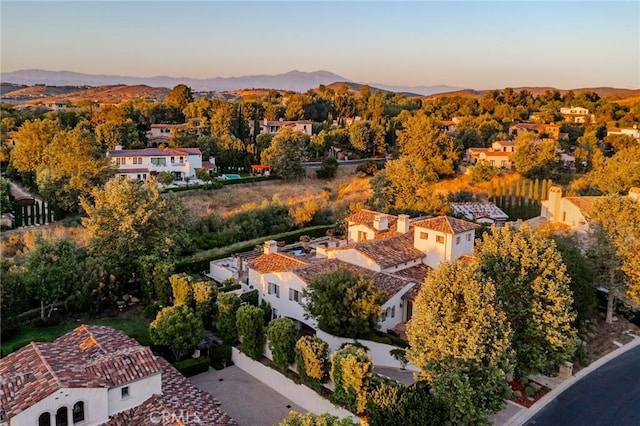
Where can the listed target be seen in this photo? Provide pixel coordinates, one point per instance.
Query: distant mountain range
(297, 81)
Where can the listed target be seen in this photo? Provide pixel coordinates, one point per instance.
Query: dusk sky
(468, 44)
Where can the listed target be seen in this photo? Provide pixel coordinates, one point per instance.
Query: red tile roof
(126, 170)
(87, 357)
(367, 217)
(390, 251)
(447, 225)
(274, 262)
(584, 204)
(153, 152)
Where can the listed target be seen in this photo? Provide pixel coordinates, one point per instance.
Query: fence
(521, 199)
(38, 213)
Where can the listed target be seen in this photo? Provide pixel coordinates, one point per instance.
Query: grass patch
(135, 327)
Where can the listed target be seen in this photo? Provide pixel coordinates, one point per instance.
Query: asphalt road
(608, 396)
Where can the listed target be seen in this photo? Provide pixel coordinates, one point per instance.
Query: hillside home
(141, 163)
(448, 126)
(577, 115)
(634, 132)
(499, 155)
(57, 106)
(394, 251)
(273, 127)
(484, 213)
(550, 129)
(95, 375)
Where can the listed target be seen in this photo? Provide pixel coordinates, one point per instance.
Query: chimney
(380, 222)
(555, 196)
(403, 223)
(118, 147)
(270, 247)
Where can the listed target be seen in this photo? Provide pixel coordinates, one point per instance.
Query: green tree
(177, 327)
(50, 269)
(536, 159)
(532, 287)
(282, 341)
(328, 169)
(312, 360)
(204, 299)
(128, 219)
(351, 372)
(482, 172)
(179, 97)
(310, 419)
(166, 178)
(228, 304)
(392, 404)
(285, 154)
(461, 341)
(182, 286)
(31, 139)
(343, 303)
(111, 134)
(618, 173)
(251, 330)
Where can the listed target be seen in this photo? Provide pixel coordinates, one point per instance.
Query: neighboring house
(448, 126)
(394, 251)
(504, 146)
(499, 155)
(485, 213)
(571, 211)
(634, 132)
(160, 134)
(141, 163)
(577, 115)
(551, 129)
(273, 127)
(57, 106)
(95, 375)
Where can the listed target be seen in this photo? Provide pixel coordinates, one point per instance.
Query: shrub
(529, 390)
(151, 310)
(228, 304)
(367, 168)
(76, 303)
(328, 169)
(482, 172)
(250, 297)
(251, 328)
(192, 366)
(45, 322)
(312, 360)
(220, 356)
(351, 372)
(282, 341)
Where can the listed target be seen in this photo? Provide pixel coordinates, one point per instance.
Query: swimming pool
(230, 176)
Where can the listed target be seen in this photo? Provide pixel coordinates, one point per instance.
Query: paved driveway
(246, 399)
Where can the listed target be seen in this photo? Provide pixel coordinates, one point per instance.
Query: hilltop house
(394, 251)
(577, 115)
(141, 163)
(550, 129)
(95, 375)
(634, 132)
(159, 134)
(499, 155)
(273, 127)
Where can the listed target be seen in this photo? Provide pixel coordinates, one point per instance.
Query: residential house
(57, 106)
(634, 132)
(394, 251)
(159, 134)
(95, 375)
(550, 129)
(273, 127)
(141, 163)
(577, 115)
(448, 126)
(485, 213)
(499, 155)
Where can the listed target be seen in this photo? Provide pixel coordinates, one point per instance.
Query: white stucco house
(634, 132)
(578, 115)
(274, 126)
(396, 252)
(141, 163)
(95, 375)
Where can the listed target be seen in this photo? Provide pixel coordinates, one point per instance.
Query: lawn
(135, 327)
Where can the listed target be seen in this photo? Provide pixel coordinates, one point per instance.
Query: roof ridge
(102, 348)
(46, 364)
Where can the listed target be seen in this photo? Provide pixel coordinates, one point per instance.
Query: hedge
(192, 366)
(198, 263)
(217, 184)
(220, 356)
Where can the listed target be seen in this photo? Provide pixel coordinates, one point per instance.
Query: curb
(522, 417)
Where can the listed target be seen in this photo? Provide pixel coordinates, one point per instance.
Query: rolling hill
(611, 93)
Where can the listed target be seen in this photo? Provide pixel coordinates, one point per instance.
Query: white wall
(464, 247)
(353, 229)
(354, 257)
(436, 252)
(395, 301)
(285, 280)
(95, 407)
(139, 391)
(402, 266)
(298, 394)
(379, 352)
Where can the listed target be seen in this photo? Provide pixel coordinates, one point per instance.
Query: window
(274, 289)
(44, 419)
(159, 161)
(564, 216)
(393, 311)
(439, 239)
(295, 295)
(62, 417)
(362, 236)
(78, 412)
(124, 392)
(468, 237)
(181, 160)
(424, 235)
(139, 160)
(274, 313)
(173, 160)
(457, 240)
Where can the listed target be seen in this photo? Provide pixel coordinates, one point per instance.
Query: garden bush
(192, 366)
(312, 360)
(220, 356)
(351, 372)
(282, 341)
(250, 325)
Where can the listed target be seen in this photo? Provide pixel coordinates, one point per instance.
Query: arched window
(78, 412)
(62, 417)
(44, 419)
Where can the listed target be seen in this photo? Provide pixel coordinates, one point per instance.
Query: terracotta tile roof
(128, 170)
(389, 284)
(208, 165)
(528, 126)
(446, 224)
(477, 210)
(584, 204)
(366, 217)
(153, 152)
(181, 403)
(498, 154)
(87, 357)
(413, 292)
(274, 262)
(390, 251)
(416, 273)
(506, 143)
(467, 259)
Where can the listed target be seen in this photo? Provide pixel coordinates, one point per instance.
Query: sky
(475, 44)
